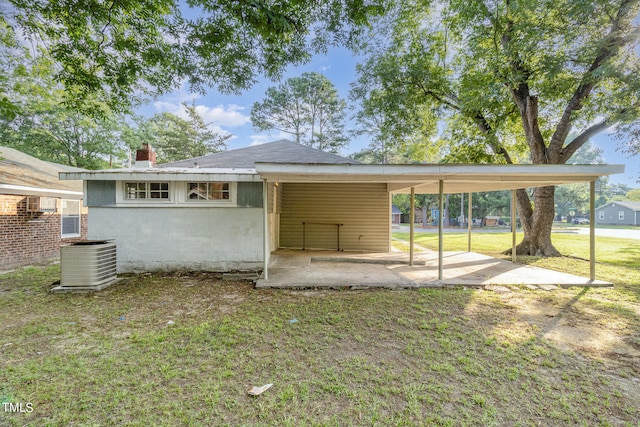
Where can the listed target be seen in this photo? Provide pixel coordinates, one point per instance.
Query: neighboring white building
(230, 210)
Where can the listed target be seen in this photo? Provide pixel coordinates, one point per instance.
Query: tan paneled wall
(363, 209)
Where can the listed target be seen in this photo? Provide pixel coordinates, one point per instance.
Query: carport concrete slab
(309, 269)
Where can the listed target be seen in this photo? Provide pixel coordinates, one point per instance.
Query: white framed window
(621, 215)
(600, 214)
(209, 191)
(70, 226)
(146, 190)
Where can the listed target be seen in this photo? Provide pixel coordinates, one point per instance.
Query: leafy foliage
(307, 107)
(118, 52)
(176, 138)
(510, 81)
(633, 195)
(33, 120)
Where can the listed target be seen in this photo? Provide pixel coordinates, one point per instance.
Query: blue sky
(231, 114)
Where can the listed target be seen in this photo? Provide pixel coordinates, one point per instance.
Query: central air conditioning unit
(87, 266)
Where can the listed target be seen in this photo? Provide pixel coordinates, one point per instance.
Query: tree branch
(609, 47)
(487, 130)
(580, 140)
(527, 104)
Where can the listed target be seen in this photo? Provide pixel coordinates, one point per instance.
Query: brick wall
(27, 239)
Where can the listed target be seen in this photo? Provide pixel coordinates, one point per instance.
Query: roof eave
(167, 174)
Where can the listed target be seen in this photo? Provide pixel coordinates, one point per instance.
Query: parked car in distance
(580, 221)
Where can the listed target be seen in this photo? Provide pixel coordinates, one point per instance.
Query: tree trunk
(536, 223)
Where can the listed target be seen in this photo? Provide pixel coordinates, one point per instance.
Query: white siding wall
(363, 209)
(214, 239)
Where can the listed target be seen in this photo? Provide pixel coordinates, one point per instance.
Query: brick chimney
(145, 157)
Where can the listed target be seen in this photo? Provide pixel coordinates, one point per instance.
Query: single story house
(230, 210)
(396, 215)
(622, 213)
(38, 211)
(491, 221)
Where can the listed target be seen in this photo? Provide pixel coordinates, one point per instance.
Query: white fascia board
(20, 190)
(166, 174)
(425, 178)
(437, 171)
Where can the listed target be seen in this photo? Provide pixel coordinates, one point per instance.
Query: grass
(379, 357)
(609, 250)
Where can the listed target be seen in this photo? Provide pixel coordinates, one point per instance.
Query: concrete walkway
(311, 269)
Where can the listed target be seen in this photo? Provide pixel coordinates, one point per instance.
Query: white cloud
(264, 138)
(259, 139)
(228, 116)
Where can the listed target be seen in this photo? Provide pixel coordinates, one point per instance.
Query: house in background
(38, 211)
(619, 213)
(230, 210)
(396, 215)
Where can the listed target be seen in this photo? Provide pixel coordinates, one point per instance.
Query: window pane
(70, 225)
(159, 190)
(70, 217)
(135, 190)
(208, 191)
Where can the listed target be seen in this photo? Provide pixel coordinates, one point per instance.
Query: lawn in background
(609, 250)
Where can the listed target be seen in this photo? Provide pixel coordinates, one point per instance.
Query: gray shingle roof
(18, 168)
(282, 151)
(634, 206)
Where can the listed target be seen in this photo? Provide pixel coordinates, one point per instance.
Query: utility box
(87, 266)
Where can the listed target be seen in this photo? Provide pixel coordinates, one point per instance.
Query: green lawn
(380, 357)
(609, 250)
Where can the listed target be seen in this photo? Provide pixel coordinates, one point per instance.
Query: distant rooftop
(23, 170)
(282, 151)
(634, 206)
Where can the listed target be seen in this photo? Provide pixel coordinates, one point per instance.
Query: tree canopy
(308, 108)
(176, 138)
(509, 81)
(117, 52)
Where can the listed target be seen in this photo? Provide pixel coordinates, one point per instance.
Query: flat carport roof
(425, 179)
(441, 179)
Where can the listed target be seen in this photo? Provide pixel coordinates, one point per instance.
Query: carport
(433, 179)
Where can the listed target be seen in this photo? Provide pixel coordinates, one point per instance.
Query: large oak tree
(512, 79)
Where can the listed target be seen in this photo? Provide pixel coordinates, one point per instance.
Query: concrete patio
(311, 269)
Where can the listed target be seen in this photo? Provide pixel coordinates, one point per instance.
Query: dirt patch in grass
(183, 349)
(569, 319)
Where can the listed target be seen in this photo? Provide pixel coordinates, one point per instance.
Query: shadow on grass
(374, 357)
